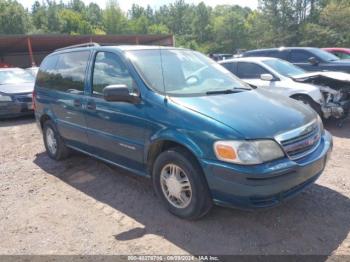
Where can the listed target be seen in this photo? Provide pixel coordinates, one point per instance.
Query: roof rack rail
(79, 45)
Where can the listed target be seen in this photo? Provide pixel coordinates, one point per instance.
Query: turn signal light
(225, 152)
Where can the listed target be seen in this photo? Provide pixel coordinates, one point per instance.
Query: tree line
(225, 28)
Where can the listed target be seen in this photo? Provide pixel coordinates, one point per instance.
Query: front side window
(15, 76)
(110, 70)
(70, 71)
(182, 72)
(250, 70)
(229, 66)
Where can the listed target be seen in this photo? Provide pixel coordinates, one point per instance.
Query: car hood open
(253, 114)
(17, 88)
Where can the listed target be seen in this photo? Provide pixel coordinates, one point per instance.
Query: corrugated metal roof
(47, 43)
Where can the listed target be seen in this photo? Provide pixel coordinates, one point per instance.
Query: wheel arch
(305, 95)
(43, 119)
(161, 144)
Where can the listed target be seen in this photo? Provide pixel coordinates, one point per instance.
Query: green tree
(93, 14)
(158, 29)
(332, 27)
(229, 28)
(73, 22)
(39, 17)
(13, 18)
(114, 20)
(201, 23)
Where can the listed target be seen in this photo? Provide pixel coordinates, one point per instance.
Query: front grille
(23, 98)
(302, 141)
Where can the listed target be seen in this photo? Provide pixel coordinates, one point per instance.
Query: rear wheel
(54, 144)
(179, 182)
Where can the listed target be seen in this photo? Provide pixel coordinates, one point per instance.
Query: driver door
(115, 129)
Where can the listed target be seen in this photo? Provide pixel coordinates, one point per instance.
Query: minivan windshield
(181, 72)
(15, 76)
(284, 68)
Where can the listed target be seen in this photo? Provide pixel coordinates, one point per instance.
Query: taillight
(33, 100)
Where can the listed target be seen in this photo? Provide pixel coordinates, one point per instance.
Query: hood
(340, 76)
(253, 114)
(17, 88)
(331, 79)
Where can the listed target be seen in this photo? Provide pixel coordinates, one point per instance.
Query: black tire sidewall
(200, 201)
(60, 151)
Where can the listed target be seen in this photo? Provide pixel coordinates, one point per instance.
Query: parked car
(16, 87)
(176, 116)
(308, 58)
(342, 53)
(219, 57)
(328, 93)
(33, 70)
(4, 65)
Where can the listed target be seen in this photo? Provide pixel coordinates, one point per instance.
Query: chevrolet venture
(176, 116)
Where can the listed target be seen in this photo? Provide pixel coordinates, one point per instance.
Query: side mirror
(267, 77)
(313, 61)
(120, 93)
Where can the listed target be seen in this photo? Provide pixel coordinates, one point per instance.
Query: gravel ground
(83, 206)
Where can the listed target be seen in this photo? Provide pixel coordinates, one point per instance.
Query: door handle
(91, 105)
(77, 103)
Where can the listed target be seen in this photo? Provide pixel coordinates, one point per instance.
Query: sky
(126, 4)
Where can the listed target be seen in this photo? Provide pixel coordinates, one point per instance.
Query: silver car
(16, 87)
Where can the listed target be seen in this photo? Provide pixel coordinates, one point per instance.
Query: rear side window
(47, 72)
(65, 72)
(70, 71)
(255, 53)
(281, 54)
(250, 70)
(299, 56)
(278, 54)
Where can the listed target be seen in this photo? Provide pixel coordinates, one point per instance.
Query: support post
(30, 50)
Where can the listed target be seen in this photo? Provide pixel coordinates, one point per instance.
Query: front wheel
(179, 182)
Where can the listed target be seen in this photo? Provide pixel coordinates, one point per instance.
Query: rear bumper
(15, 109)
(265, 185)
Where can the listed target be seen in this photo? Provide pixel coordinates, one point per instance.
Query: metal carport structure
(29, 50)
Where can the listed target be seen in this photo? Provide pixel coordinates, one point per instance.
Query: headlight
(5, 98)
(248, 152)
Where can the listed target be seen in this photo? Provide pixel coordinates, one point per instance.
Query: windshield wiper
(228, 91)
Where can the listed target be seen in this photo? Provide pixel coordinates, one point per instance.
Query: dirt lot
(83, 206)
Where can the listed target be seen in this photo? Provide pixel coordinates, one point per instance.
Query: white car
(33, 70)
(328, 93)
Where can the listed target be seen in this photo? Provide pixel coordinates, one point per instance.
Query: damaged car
(328, 93)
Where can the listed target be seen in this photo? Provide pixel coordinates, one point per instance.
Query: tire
(196, 193)
(51, 135)
(311, 103)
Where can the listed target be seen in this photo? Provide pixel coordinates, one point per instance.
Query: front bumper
(265, 185)
(15, 109)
